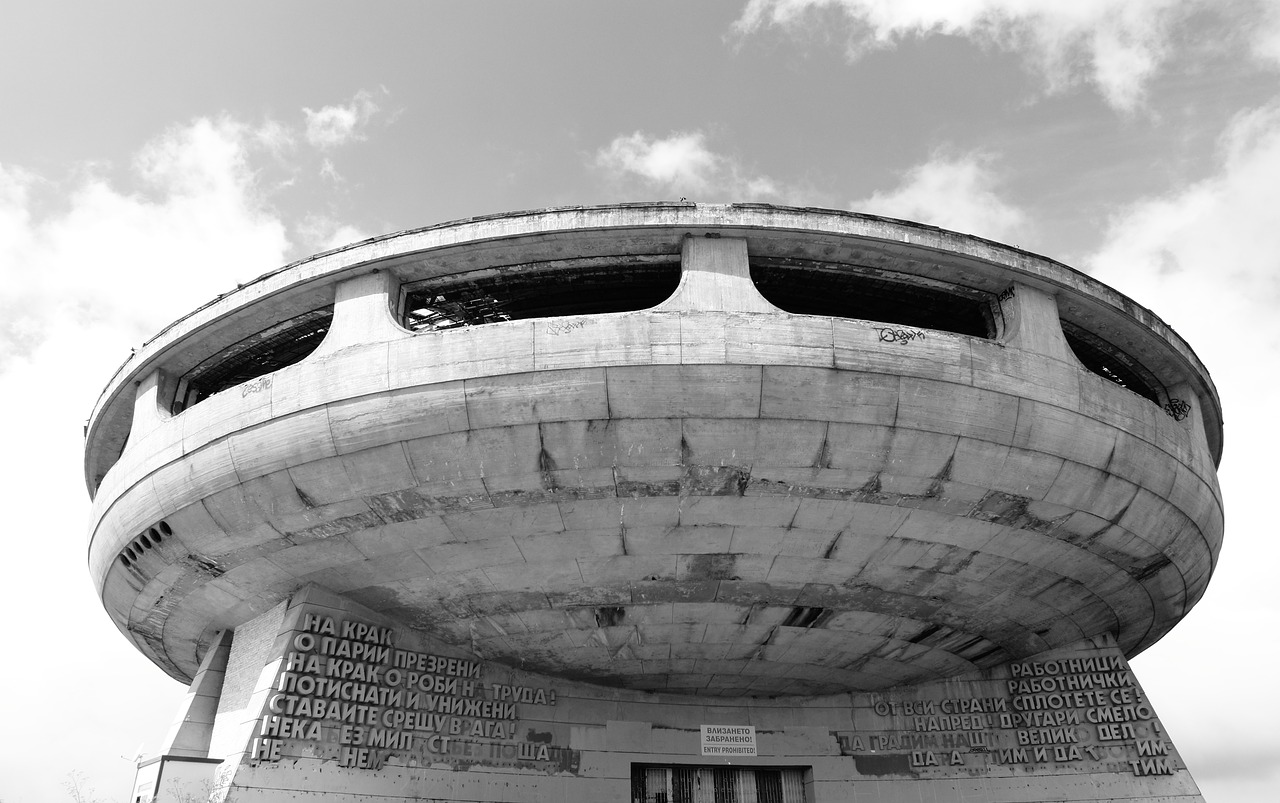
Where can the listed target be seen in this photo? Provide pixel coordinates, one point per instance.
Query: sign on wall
(728, 740)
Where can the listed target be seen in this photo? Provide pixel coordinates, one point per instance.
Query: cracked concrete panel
(619, 339)
(508, 522)
(685, 391)
(823, 394)
(569, 395)
(402, 414)
(887, 349)
(957, 409)
(678, 540)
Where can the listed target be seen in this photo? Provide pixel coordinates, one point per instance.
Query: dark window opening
(804, 287)
(610, 616)
(469, 300)
(276, 347)
(1110, 363)
(683, 784)
(992, 655)
(806, 617)
(928, 632)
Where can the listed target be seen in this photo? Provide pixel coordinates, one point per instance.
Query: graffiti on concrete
(1177, 409)
(889, 335)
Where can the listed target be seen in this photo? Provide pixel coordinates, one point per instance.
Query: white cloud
(952, 192)
(1220, 236)
(345, 235)
(15, 192)
(329, 172)
(323, 233)
(1206, 258)
(91, 266)
(192, 220)
(197, 224)
(331, 126)
(1266, 35)
(1117, 45)
(680, 157)
(682, 165)
(275, 136)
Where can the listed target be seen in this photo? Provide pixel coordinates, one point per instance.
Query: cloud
(1266, 35)
(332, 126)
(323, 233)
(1217, 238)
(194, 223)
(191, 217)
(1116, 45)
(93, 263)
(329, 172)
(275, 136)
(952, 192)
(681, 164)
(90, 267)
(1204, 258)
(680, 157)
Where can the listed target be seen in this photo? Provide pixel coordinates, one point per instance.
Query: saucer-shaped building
(662, 501)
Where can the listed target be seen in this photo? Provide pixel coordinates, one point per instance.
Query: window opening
(805, 287)
(469, 300)
(275, 347)
(1111, 363)
(805, 617)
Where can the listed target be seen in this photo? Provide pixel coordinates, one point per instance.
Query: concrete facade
(839, 532)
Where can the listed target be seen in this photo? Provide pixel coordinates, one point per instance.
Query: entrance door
(682, 784)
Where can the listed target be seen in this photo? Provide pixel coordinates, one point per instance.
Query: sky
(154, 155)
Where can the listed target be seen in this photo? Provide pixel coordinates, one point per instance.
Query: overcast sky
(153, 155)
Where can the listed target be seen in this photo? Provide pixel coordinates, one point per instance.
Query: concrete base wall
(362, 706)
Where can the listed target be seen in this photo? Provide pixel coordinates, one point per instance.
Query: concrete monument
(660, 502)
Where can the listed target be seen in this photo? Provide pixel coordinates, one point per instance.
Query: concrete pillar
(151, 404)
(192, 729)
(362, 313)
(1031, 322)
(715, 277)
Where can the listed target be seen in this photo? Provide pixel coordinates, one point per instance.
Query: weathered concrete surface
(516, 561)
(624, 232)
(352, 705)
(711, 497)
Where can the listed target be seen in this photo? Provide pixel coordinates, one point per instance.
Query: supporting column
(362, 313)
(184, 770)
(715, 277)
(151, 404)
(193, 727)
(1031, 322)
